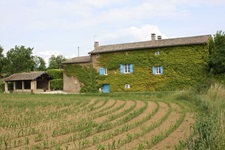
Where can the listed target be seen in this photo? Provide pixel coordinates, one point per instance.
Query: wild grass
(209, 131)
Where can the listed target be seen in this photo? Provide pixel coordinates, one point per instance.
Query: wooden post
(22, 85)
(49, 86)
(33, 85)
(6, 87)
(14, 86)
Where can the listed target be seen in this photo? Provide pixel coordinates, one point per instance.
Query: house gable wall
(70, 82)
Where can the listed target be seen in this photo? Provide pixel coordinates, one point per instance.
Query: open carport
(29, 81)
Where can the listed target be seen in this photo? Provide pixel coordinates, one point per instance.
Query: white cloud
(63, 25)
(131, 34)
(46, 54)
(102, 3)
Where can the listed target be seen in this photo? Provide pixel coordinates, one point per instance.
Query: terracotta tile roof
(24, 76)
(83, 59)
(152, 44)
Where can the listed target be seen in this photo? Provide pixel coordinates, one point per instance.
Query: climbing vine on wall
(184, 67)
(87, 75)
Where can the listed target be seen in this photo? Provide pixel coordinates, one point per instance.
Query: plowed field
(70, 122)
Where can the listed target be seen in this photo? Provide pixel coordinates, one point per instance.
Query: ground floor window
(127, 86)
(103, 71)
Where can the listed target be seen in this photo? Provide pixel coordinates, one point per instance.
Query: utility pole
(78, 51)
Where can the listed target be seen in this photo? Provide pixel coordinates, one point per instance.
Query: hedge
(2, 86)
(55, 73)
(56, 84)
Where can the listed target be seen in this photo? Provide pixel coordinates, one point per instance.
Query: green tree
(39, 64)
(217, 53)
(1, 58)
(55, 62)
(18, 59)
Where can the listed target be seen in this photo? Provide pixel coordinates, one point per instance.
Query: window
(126, 68)
(157, 70)
(103, 71)
(127, 86)
(157, 53)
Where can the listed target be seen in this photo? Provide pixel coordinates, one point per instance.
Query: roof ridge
(158, 40)
(200, 39)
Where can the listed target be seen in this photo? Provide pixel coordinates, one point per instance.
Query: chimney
(153, 36)
(159, 37)
(96, 44)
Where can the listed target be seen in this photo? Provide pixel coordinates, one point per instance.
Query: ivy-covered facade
(164, 64)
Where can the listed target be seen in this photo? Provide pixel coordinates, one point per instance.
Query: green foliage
(184, 67)
(39, 64)
(1, 58)
(87, 75)
(56, 84)
(18, 59)
(209, 129)
(219, 78)
(55, 62)
(55, 73)
(217, 53)
(2, 86)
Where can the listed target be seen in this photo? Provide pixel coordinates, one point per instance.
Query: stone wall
(95, 64)
(71, 84)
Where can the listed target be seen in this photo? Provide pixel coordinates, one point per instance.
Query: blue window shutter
(121, 69)
(161, 68)
(131, 68)
(101, 71)
(153, 70)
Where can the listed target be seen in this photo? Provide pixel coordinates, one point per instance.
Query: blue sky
(61, 26)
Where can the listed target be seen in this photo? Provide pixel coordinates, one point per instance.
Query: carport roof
(24, 76)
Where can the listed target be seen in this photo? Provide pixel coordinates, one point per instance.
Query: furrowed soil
(72, 122)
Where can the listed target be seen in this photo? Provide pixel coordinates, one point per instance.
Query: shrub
(2, 86)
(55, 73)
(56, 84)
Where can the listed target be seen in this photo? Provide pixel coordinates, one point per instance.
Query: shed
(29, 81)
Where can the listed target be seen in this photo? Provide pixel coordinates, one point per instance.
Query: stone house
(28, 82)
(157, 64)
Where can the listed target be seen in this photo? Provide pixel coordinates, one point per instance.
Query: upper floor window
(157, 70)
(103, 71)
(126, 68)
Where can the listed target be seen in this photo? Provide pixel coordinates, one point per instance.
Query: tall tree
(55, 62)
(217, 53)
(39, 64)
(1, 58)
(19, 59)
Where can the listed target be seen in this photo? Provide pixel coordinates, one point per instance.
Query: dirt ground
(80, 127)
